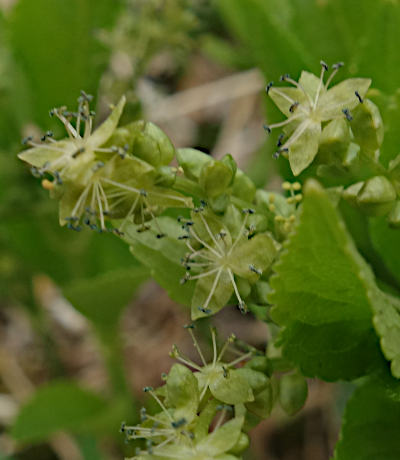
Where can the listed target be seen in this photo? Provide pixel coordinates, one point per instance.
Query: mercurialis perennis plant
(313, 261)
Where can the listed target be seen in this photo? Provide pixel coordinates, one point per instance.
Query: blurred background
(82, 326)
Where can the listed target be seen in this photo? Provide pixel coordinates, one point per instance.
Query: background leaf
(370, 427)
(57, 406)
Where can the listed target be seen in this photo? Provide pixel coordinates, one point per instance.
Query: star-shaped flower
(308, 105)
(219, 255)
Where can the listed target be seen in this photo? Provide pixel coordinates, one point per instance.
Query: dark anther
(338, 65)
(324, 65)
(86, 97)
(359, 97)
(284, 77)
(242, 307)
(206, 311)
(143, 193)
(118, 232)
(147, 389)
(203, 203)
(183, 237)
(280, 139)
(58, 178)
(26, 140)
(267, 129)
(255, 270)
(189, 326)
(78, 152)
(269, 86)
(160, 235)
(248, 211)
(122, 429)
(52, 112)
(225, 371)
(347, 114)
(294, 106)
(178, 423)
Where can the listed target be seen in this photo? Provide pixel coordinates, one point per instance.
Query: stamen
(214, 343)
(196, 345)
(242, 305)
(324, 68)
(335, 68)
(210, 233)
(347, 114)
(269, 86)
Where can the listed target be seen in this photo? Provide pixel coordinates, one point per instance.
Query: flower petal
(342, 96)
(38, 156)
(221, 293)
(284, 97)
(258, 252)
(303, 149)
(101, 135)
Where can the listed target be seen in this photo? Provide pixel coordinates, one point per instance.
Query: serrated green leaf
(321, 295)
(387, 325)
(57, 406)
(370, 427)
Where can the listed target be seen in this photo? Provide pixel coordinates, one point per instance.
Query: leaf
(370, 427)
(162, 257)
(55, 45)
(384, 239)
(102, 298)
(387, 325)
(57, 406)
(321, 296)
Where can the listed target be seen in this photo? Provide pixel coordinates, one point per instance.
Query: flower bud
(243, 187)
(377, 196)
(151, 144)
(367, 127)
(334, 141)
(215, 177)
(192, 161)
(351, 192)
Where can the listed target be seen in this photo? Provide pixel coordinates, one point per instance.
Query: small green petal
(38, 156)
(310, 83)
(342, 96)
(259, 252)
(221, 440)
(282, 96)
(219, 298)
(106, 129)
(191, 161)
(182, 392)
(303, 151)
(232, 388)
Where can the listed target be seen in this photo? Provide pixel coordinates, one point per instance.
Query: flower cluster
(203, 414)
(105, 175)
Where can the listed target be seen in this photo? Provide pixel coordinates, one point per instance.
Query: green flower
(219, 256)
(97, 176)
(308, 106)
